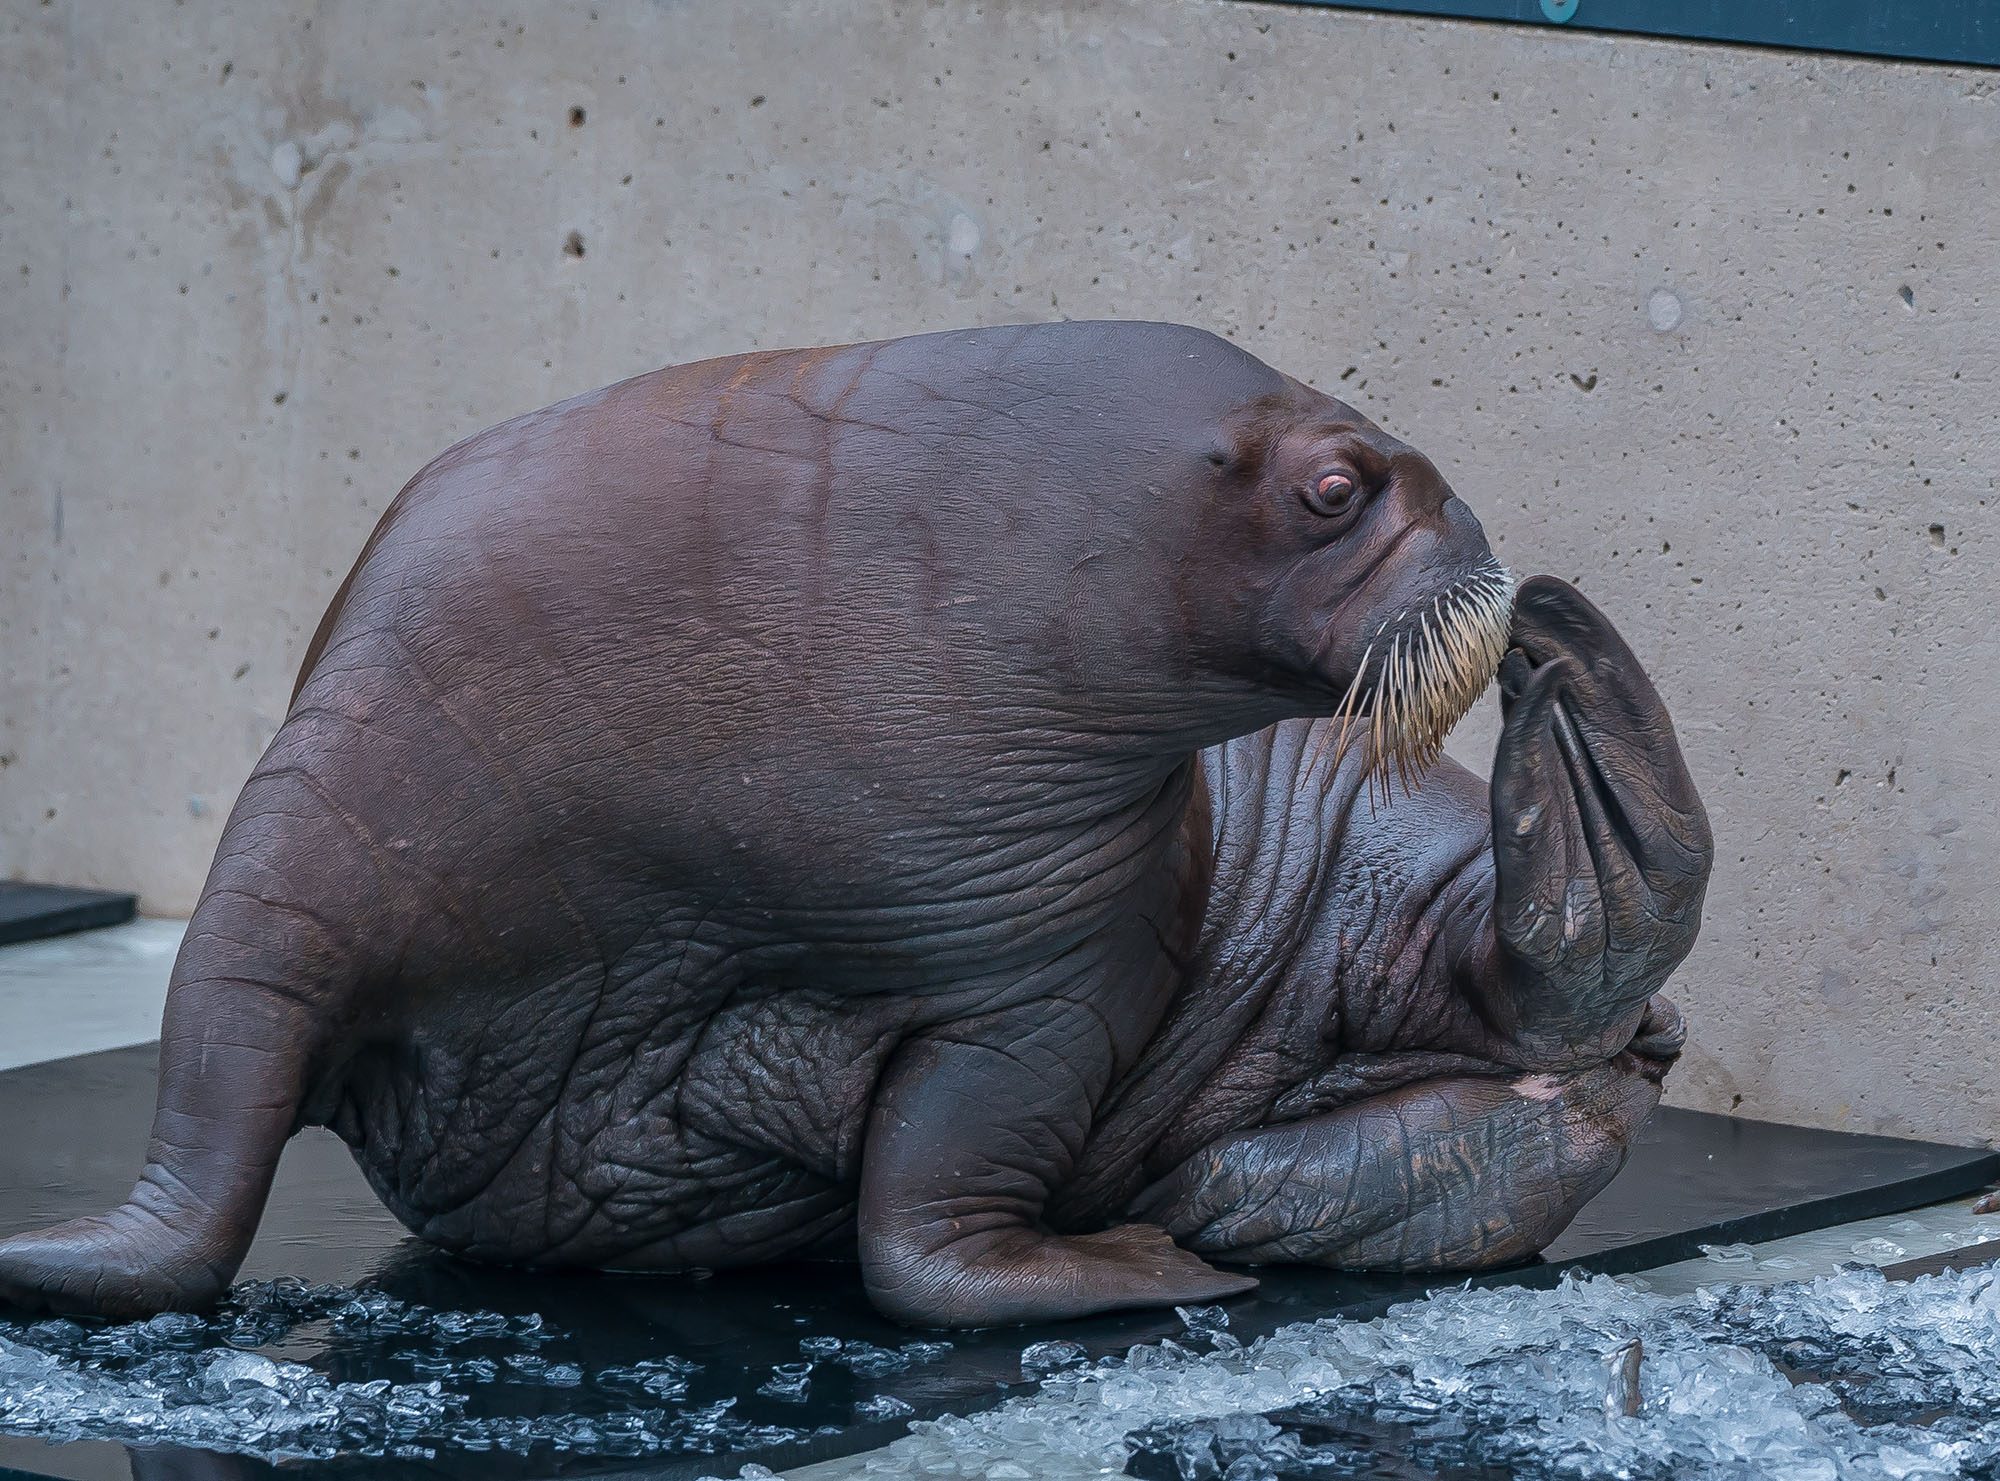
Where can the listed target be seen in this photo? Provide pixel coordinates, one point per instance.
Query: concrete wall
(1713, 332)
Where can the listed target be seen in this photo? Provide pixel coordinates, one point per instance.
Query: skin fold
(892, 803)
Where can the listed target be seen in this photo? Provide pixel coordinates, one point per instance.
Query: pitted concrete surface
(1709, 331)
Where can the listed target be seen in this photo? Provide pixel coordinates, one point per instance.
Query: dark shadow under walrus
(949, 803)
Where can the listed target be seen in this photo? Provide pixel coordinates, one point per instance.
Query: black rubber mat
(74, 1130)
(29, 912)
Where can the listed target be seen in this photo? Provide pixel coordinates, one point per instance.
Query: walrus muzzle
(1422, 671)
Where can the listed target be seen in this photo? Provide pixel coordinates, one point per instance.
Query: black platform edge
(1925, 1189)
(31, 912)
(1964, 1258)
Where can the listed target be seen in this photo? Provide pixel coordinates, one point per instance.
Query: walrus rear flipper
(234, 1059)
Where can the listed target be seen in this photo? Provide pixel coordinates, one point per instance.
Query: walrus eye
(1332, 494)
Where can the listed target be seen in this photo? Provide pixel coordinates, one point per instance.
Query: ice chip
(1043, 1358)
(235, 1370)
(789, 1382)
(1250, 1468)
(1877, 1250)
(1202, 1318)
(867, 1360)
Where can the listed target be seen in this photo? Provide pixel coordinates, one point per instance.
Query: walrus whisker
(1344, 713)
(1436, 660)
(1433, 671)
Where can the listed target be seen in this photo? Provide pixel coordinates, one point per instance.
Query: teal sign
(1963, 31)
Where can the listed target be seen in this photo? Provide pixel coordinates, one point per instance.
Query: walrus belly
(647, 1143)
(581, 1038)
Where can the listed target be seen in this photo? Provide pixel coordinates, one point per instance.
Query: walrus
(970, 805)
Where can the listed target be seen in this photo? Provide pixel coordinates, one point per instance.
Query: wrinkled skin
(1425, 1044)
(868, 803)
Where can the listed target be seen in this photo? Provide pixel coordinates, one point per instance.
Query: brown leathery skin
(834, 802)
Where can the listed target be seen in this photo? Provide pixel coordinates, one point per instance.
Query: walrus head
(1382, 604)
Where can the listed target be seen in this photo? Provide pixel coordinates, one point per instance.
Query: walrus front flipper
(1463, 1172)
(1601, 849)
(234, 1051)
(969, 1134)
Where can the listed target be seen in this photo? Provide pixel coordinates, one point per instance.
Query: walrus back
(746, 583)
(938, 493)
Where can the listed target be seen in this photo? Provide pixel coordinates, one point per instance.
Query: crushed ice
(198, 1381)
(1846, 1378)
